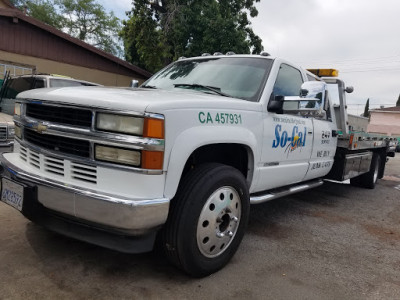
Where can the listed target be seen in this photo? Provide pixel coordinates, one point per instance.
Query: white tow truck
(180, 159)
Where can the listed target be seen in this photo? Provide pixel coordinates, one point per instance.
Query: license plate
(12, 193)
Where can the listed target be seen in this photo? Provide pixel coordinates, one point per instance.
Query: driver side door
(287, 138)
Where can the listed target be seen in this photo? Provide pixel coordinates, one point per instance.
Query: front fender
(185, 144)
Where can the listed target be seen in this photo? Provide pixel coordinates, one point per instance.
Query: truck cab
(298, 144)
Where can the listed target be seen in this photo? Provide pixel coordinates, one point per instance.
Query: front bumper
(134, 219)
(6, 146)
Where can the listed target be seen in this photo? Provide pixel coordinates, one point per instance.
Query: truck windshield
(12, 87)
(18, 85)
(67, 83)
(235, 77)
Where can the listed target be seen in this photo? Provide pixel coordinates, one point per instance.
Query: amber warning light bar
(324, 72)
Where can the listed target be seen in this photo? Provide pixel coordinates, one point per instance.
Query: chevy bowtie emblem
(40, 127)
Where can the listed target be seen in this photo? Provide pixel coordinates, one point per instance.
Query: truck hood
(6, 119)
(130, 99)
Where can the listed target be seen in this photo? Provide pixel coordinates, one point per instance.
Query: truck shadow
(274, 219)
(80, 267)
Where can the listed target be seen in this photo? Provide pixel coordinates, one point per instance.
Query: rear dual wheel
(369, 179)
(207, 219)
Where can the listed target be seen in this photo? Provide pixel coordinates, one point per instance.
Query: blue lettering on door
(296, 139)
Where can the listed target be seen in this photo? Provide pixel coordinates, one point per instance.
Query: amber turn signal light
(153, 128)
(152, 160)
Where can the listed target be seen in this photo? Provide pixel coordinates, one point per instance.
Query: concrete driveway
(333, 242)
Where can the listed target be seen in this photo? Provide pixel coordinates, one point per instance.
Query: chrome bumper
(133, 217)
(6, 146)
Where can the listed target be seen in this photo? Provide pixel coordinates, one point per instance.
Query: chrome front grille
(23, 154)
(54, 165)
(58, 143)
(34, 159)
(69, 132)
(84, 172)
(59, 168)
(3, 133)
(61, 115)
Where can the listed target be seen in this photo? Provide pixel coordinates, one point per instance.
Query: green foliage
(366, 109)
(84, 19)
(158, 32)
(143, 40)
(46, 12)
(398, 101)
(18, 3)
(88, 21)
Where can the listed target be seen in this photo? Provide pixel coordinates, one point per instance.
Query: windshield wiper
(148, 87)
(206, 87)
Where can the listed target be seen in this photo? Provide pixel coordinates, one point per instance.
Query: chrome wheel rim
(218, 222)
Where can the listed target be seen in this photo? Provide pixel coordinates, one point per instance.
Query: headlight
(17, 109)
(11, 131)
(118, 155)
(119, 123)
(18, 131)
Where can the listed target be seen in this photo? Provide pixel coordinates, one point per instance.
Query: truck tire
(207, 219)
(369, 179)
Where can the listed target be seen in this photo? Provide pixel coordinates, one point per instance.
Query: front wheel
(207, 219)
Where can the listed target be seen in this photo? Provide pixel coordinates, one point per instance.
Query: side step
(285, 191)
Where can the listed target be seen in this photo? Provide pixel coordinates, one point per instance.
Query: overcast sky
(360, 38)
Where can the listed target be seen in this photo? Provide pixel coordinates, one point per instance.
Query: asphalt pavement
(332, 242)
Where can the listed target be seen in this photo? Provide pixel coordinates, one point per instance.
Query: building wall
(385, 122)
(20, 37)
(78, 72)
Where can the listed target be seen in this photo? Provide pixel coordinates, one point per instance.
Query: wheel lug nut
(220, 234)
(234, 219)
(230, 233)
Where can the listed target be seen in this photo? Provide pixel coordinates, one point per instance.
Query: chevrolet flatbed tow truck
(177, 162)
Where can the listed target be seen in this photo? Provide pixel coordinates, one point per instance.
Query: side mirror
(312, 100)
(275, 104)
(313, 89)
(134, 83)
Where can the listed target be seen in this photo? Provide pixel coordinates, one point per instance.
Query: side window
(38, 83)
(288, 81)
(17, 85)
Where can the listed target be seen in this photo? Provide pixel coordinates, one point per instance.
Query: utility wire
(354, 60)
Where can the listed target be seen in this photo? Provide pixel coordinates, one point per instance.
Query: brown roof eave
(15, 13)
(9, 4)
